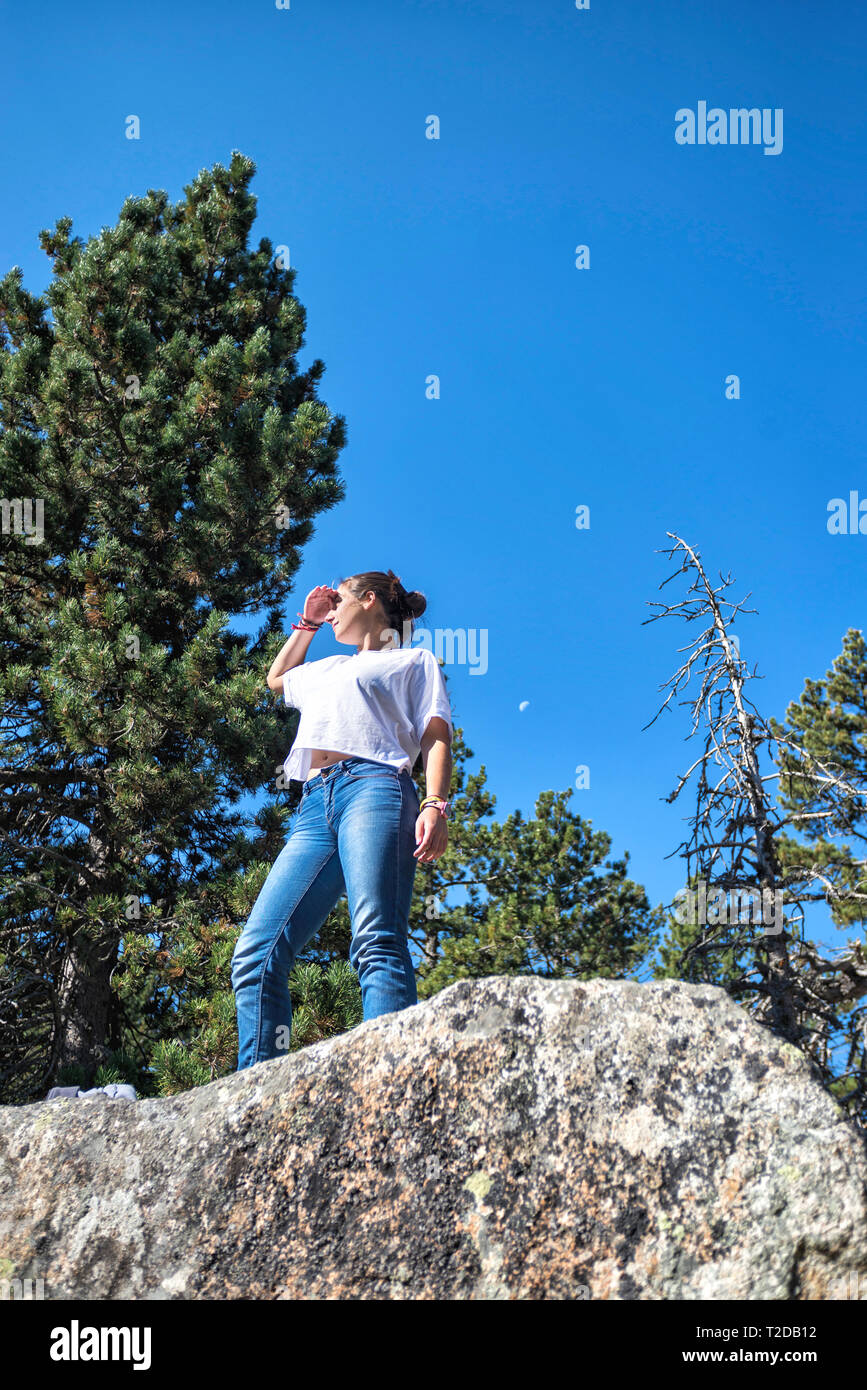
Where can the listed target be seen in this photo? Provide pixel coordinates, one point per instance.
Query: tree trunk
(84, 1001)
(84, 994)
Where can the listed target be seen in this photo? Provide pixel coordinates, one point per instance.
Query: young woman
(359, 829)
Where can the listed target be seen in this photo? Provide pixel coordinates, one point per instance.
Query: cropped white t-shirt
(372, 704)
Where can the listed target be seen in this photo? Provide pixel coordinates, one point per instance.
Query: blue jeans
(354, 832)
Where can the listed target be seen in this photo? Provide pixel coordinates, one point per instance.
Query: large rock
(509, 1138)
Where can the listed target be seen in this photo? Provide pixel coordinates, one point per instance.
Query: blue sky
(559, 386)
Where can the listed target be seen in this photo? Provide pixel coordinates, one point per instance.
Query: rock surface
(509, 1138)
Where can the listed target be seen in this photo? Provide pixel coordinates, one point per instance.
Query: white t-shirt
(372, 704)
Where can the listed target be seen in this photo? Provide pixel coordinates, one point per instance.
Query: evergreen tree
(828, 727)
(553, 905)
(152, 411)
(825, 735)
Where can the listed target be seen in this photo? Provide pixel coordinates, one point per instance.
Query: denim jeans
(354, 832)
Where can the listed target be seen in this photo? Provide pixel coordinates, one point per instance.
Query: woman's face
(344, 614)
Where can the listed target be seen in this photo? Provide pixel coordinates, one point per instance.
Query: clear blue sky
(559, 386)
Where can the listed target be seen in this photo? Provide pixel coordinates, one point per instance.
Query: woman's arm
(317, 605)
(431, 827)
(291, 654)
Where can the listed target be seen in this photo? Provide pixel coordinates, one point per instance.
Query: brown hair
(399, 604)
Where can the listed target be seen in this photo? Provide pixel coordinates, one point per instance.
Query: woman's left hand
(431, 835)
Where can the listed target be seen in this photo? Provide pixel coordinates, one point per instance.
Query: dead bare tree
(732, 848)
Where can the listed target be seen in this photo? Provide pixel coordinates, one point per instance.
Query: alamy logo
(75, 1343)
(854, 1286)
(738, 126)
(847, 520)
(16, 518)
(21, 1288)
(700, 907)
(456, 646)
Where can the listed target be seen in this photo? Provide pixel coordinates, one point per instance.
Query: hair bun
(415, 603)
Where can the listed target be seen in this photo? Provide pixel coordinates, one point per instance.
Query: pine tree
(543, 900)
(825, 734)
(828, 725)
(152, 404)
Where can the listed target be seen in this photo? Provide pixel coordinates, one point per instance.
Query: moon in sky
(525, 704)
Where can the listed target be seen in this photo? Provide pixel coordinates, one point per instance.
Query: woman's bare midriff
(324, 757)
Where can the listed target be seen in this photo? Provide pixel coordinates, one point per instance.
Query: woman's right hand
(319, 603)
